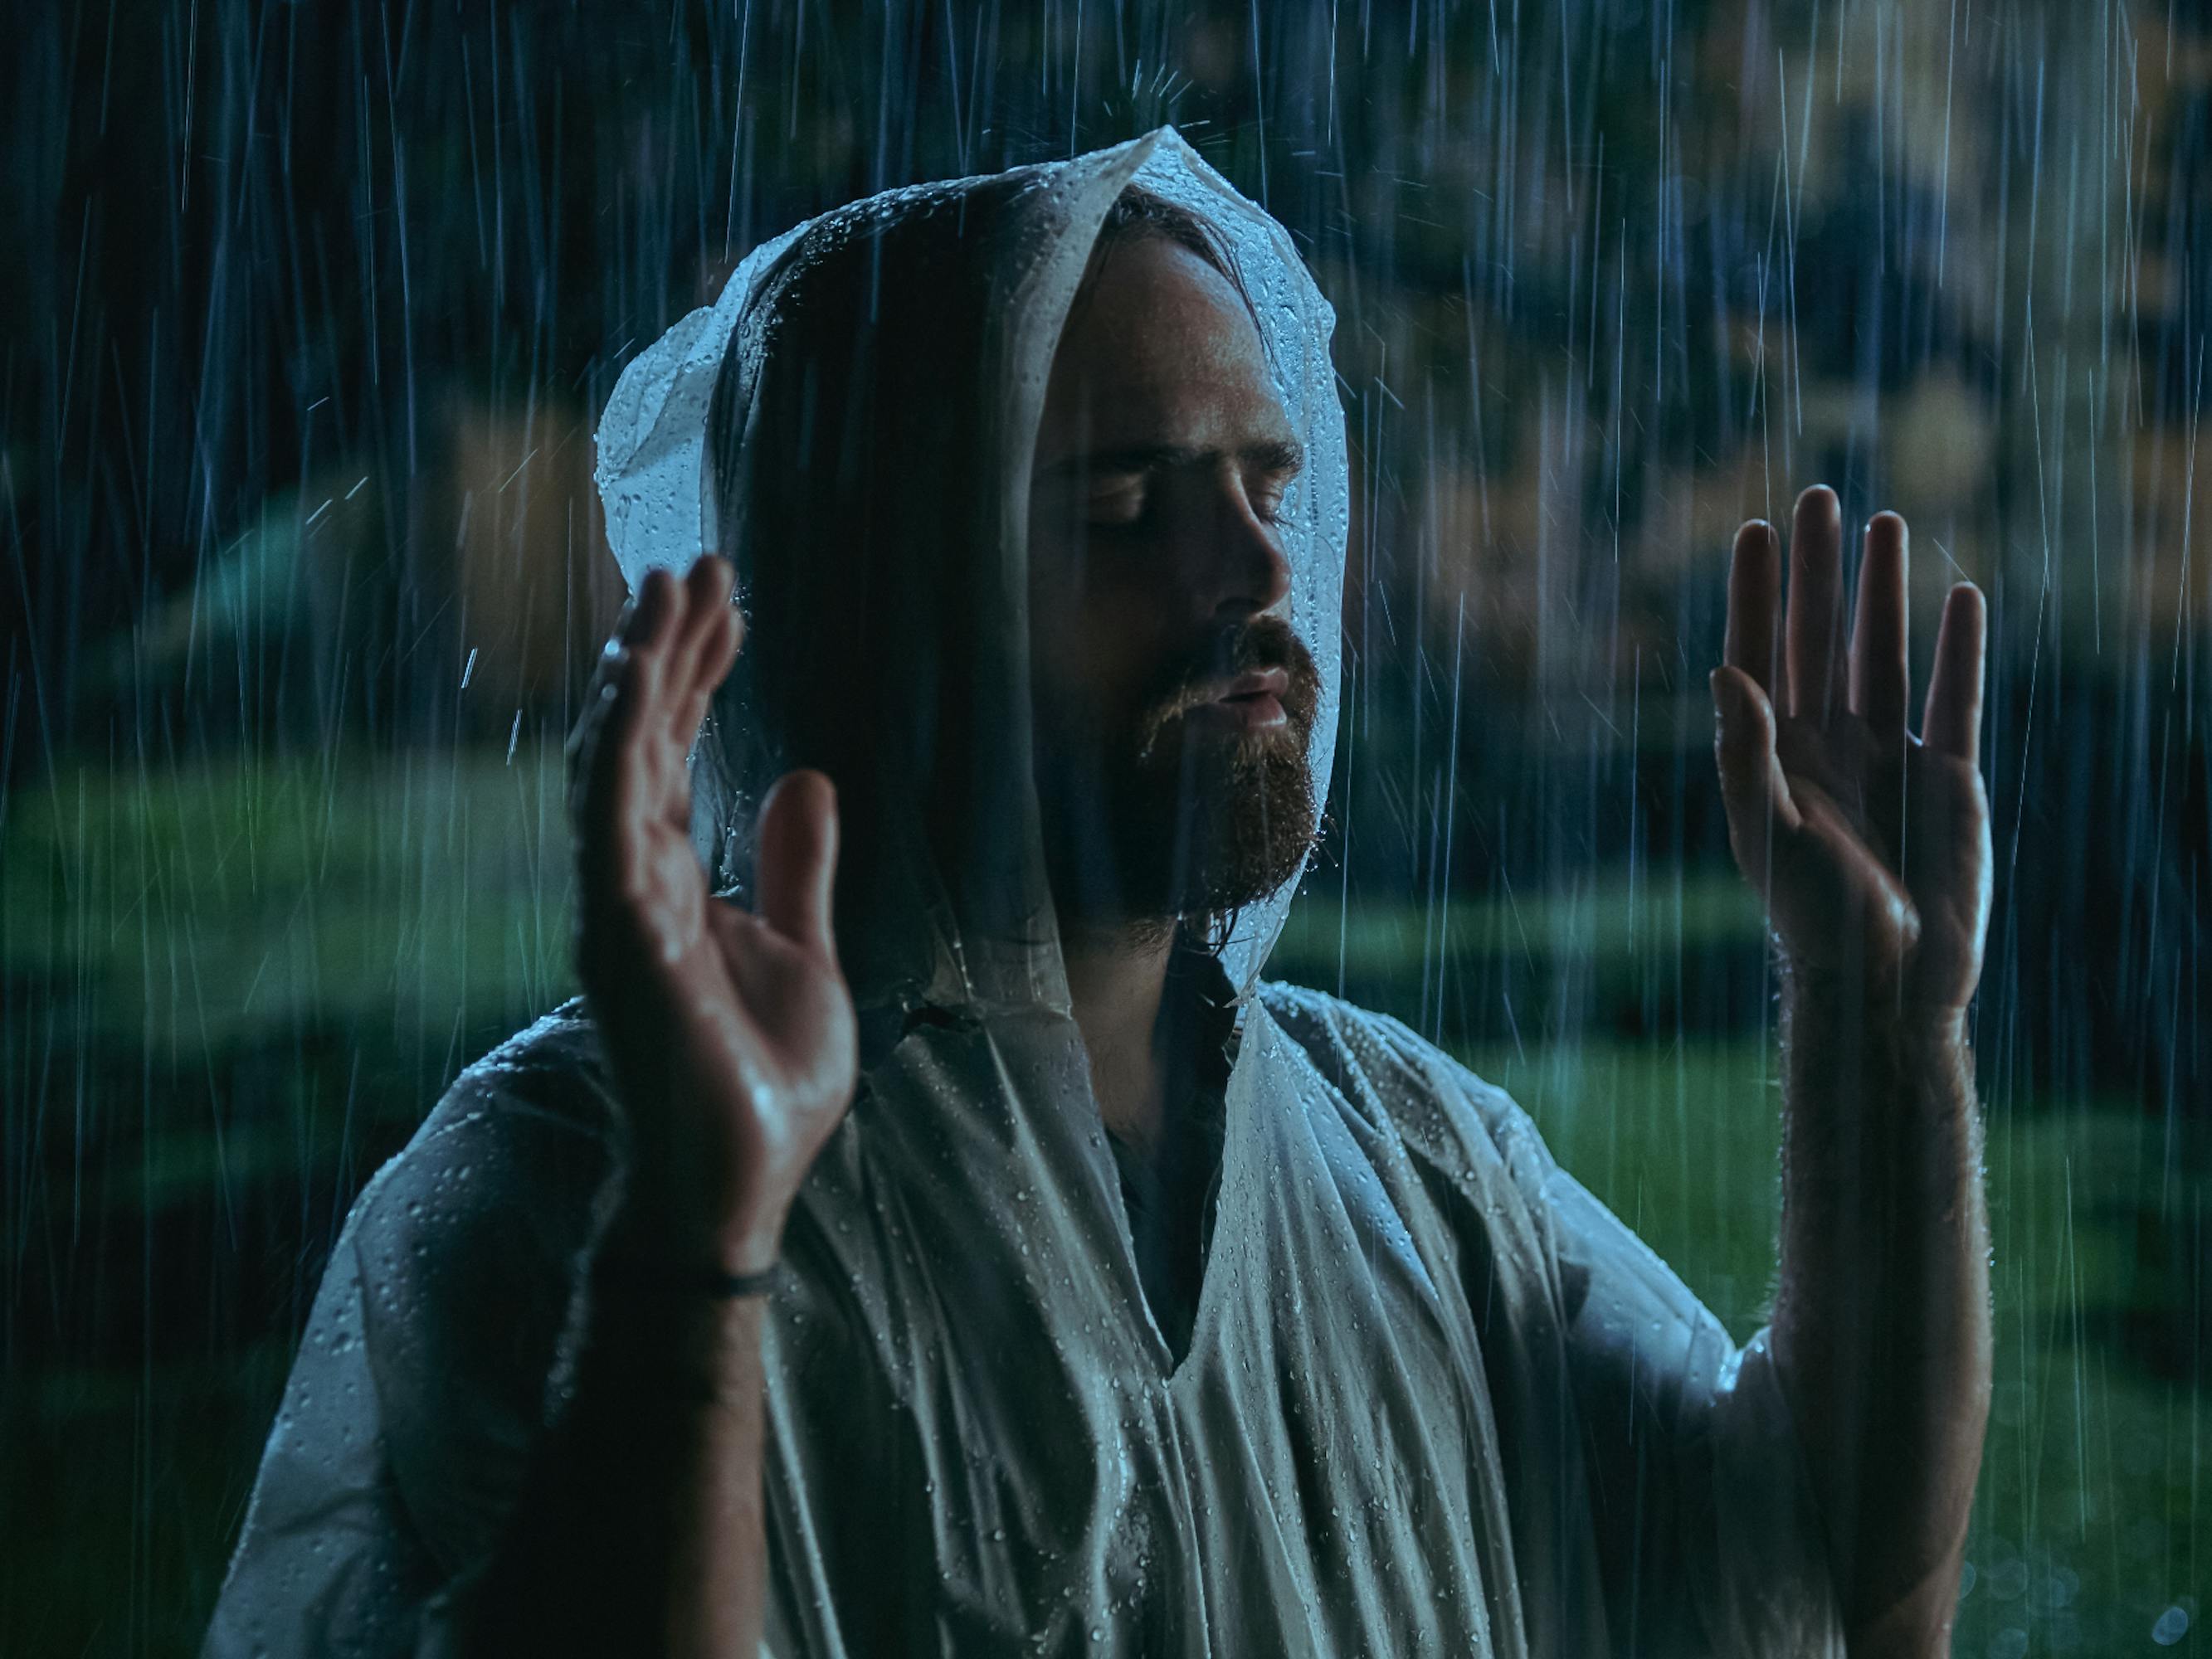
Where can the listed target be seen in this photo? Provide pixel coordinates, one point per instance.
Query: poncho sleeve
(436, 1347)
(1700, 1500)
(1703, 1496)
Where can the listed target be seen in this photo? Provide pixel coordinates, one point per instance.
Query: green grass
(1609, 918)
(190, 910)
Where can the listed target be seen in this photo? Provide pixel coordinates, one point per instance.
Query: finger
(1755, 793)
(706, 596)
(642, 788)
(798, 860)
(590, 709)
(1816, 586)
(654, 633)
(588, 753)
(1951, 724)
(1754, 590)
(651, 608)
(1881, 679)
(608, 774)
(717, 651)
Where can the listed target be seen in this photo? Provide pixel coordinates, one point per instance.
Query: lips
(1248, 703)
(1261, 683)
(1254, 680)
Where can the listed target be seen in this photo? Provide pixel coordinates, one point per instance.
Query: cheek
(1099, 648)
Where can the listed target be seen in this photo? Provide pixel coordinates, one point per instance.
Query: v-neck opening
(1172, 1201)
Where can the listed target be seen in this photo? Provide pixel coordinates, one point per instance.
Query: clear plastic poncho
(1437, 1399)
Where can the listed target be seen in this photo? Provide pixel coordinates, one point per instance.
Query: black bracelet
(702, 1281)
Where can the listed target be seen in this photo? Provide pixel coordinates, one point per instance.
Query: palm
(1870, 845)
(730, 1031)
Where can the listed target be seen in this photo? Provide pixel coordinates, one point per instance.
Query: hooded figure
(1427, 1396)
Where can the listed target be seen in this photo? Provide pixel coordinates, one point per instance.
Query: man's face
(1174, 705)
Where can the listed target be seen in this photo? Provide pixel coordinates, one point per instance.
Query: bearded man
(940, 1241)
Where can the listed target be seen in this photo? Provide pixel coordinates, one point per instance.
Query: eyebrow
(1278, 455)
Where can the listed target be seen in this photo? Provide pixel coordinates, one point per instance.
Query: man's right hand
(730, 1031)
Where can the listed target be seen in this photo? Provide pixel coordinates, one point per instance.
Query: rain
(309, 313)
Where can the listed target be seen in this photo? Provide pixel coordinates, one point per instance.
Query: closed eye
(1119, 501)
(1268, 469)
(1117, 480)
(1282, 457)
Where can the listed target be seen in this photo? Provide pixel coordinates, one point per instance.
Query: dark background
(309, 311)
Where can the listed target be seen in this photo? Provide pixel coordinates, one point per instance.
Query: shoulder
(467, 1248)
(467, 1242)
(553, 1071)
(507, 1165)
(1473, 1142)
(536, 1103)
(422, 1376)
(1439, 1107)
(1342, 1038)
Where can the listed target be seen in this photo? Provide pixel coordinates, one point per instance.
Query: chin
(1269, 745)
(1205, 826)
(1244, 836)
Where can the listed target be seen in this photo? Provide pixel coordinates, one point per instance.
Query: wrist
(1881, 1008)
(654, 1275)
(672, 1345)
(1940, 1028)
(743, 1247)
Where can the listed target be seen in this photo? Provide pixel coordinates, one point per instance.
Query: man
(957, 1250)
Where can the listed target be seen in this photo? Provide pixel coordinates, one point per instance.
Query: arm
(730, 1038)
(1870, 848)
(642, 1510)
(1881, 1329)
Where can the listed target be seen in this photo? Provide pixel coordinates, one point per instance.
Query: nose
(1250, 574)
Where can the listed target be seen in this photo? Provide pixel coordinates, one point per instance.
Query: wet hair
(850, 520)
(1139, 215)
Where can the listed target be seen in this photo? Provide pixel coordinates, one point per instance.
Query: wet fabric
(1171, 1194)
(1435, 1398)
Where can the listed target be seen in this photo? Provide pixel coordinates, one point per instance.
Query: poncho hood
(853, 422)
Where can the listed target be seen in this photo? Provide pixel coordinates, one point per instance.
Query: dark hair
(1139, 215)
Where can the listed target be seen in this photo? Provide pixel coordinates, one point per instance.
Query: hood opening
(853, 423)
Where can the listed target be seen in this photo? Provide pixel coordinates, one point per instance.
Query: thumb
(798, 859)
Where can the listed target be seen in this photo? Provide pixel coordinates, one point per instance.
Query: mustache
(1239, 648)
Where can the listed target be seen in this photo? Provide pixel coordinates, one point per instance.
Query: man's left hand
(1870, 846)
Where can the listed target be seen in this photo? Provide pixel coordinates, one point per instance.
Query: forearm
(1881, 1329)
(640, 1527)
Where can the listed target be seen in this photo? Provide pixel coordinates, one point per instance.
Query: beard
(1163, 816)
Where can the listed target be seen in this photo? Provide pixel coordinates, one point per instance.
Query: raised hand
(730, 1031)
(1869, 845)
